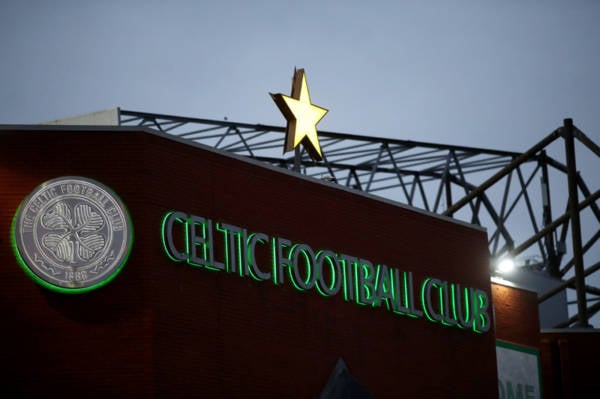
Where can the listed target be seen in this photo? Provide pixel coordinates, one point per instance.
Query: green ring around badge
(76, 290)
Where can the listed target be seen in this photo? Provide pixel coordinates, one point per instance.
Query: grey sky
(492, 74)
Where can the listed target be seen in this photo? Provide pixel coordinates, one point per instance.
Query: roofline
(137, 129)
(322, 133)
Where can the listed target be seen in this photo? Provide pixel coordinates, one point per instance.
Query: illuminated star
(302, 117)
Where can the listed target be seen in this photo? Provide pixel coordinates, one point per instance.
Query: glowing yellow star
(302, 117)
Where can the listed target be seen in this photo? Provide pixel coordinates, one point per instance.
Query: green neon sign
(329, 273)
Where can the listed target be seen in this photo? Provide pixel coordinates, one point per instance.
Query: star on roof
(302, 117)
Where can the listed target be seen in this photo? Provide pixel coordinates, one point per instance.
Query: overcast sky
(482, 73)
(494, 74)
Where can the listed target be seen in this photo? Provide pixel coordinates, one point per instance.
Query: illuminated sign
(195, 239)
(302, 117)
(72, 234)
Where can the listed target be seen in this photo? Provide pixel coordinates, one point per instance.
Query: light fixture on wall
(505, 265)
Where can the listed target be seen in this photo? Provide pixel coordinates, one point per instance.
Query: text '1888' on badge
(72, 234)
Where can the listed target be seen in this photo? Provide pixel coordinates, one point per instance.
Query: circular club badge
(72, 234)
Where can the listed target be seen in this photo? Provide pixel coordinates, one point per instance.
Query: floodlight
(506, 265)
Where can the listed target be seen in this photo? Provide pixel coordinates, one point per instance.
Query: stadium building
(140, 264)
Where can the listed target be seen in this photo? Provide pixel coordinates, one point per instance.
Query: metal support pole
(448, 194)
(297, 159)
(565, 284)
(553, 265)
(575, 223)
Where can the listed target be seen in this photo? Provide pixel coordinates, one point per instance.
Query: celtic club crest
(72, 234)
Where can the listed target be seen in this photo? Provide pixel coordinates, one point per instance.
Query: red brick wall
(165, 329)
(517, 317)
(570, 363)
(97, 344)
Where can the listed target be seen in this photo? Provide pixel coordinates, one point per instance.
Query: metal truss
(491, 188)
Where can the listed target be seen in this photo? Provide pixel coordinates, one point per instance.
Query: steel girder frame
(487, 187)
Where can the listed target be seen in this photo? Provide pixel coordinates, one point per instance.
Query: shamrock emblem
(74, 232)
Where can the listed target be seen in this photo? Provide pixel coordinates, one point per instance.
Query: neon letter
(167, 235)
(278, 258)
(329, 258)
(295, 275)
(365, 282)
(481, 319)
(427, 301)
(255, 271)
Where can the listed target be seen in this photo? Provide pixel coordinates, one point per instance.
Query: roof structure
(537, 208)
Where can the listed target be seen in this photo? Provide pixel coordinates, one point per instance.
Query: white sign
(518, 372)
